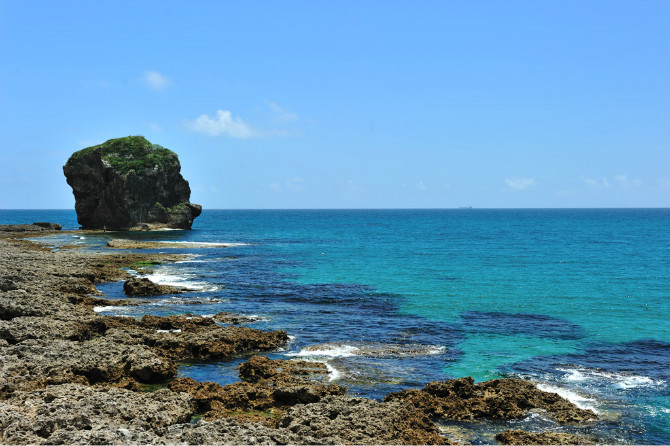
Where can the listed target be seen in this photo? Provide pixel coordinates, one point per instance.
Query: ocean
(576, 300)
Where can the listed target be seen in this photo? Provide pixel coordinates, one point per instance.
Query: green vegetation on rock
(131, 153)
(177, 207)
(144, 264)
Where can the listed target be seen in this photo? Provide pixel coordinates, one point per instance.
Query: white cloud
(625, 183)
(421, 186)
(589, 181)
(155, 80)
(621, 181)
(281, 113)
(519, 183)
(222, 124)
(295, 184)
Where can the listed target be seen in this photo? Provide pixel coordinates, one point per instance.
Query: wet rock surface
(143, 287)
(145, 244)
(233, 318)
(269, 386)
(262, 368)
(35, 227)
(463, 400)
(180, 338)
(522, 437)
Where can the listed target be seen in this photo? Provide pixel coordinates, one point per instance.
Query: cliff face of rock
(129, 184)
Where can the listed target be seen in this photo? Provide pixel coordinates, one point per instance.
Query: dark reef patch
(521, 324)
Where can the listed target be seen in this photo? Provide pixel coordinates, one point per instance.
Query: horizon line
(460, 208)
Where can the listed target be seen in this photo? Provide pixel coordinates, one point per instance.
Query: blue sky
(347, 104)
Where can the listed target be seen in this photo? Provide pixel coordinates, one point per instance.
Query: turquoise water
(575, 300)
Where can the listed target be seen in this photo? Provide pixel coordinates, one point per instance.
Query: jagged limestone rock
(129, 184)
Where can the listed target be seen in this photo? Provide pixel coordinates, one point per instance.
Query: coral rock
(129, 183)
(523, 437)
(463, 400)
(139, 286)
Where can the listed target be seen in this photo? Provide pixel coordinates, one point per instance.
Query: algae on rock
(129, 184)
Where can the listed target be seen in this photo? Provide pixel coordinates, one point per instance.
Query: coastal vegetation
(130, 153)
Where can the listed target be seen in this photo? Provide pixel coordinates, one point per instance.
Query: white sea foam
(202, 244)
(183, 280)
(578, 400)
(616, 380)
(437, 350)
(370, 349)
(100, 309)
(333, 351)
(630, 382)
(333, 373)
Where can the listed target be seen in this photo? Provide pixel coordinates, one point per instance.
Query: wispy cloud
(620, 182)
(592, 182)
(293, 185)
(352, 186)
(519, 183)
(421, 186)
(155, 80)
(624, 182)
(222, 124)
(155, 127)
(281, 113)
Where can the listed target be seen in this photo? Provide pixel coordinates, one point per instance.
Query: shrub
(131, 153)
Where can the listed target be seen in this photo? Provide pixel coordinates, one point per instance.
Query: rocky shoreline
(71, 376)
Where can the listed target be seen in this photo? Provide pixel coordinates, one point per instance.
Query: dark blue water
(575, 300)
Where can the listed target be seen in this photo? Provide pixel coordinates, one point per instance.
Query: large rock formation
(129, 183)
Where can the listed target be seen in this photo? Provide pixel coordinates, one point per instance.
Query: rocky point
(129, 184)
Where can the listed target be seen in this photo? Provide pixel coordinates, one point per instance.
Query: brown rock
(140, 286)
(346, 420)
(258, 368)
(181, 337)
(49, 226)
(523, 437)
(276, 390)
(463, 400)
(233, 318)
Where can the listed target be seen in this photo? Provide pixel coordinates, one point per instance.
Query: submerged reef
(129, 184)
